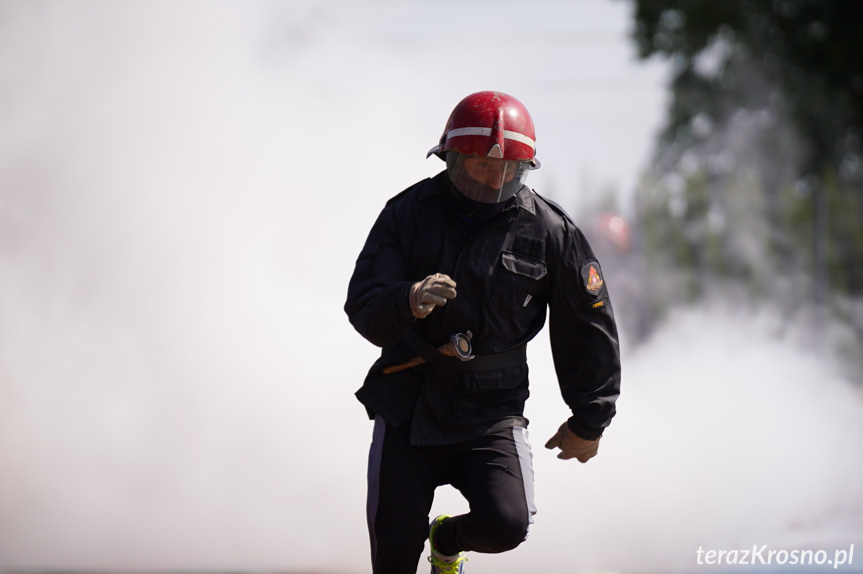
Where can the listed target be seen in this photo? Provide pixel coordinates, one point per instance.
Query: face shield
(486, 179)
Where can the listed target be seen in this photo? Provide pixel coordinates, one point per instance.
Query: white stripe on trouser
(525, 459)
(374, 479)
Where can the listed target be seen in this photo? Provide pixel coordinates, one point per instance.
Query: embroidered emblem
(598, 304)
(591, 279)
(594, 281)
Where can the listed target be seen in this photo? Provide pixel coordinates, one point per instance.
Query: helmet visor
(486, 179)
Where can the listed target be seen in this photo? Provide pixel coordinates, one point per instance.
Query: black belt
(424, 349)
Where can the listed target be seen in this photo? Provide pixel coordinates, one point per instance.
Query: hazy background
(184, 187)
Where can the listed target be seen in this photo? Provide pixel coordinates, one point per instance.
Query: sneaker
(441, 564)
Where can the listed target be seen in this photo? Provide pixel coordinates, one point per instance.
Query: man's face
(489, 171)
(486, 179)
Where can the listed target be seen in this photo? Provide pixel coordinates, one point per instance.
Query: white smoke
(171, 290)
(732, 432)
(183, 190)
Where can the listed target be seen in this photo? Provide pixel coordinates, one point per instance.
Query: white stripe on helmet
(521, 138)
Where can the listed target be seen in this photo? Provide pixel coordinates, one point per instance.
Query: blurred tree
(797, 57)
(757, 184)
(759, 170)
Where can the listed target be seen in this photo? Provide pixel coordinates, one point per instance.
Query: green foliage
(758, 178)
(800, 56)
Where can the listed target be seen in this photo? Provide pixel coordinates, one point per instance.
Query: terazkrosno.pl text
(764, 556)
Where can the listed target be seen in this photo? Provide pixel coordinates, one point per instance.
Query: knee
(508, 529)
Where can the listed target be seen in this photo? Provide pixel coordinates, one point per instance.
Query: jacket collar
(524, 200)
(440, 188)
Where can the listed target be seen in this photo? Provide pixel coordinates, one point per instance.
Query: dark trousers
(493, 472)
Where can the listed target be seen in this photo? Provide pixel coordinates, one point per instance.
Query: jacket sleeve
(377, 303)
(583, 337)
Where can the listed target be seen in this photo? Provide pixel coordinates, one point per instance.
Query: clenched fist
(432, 291)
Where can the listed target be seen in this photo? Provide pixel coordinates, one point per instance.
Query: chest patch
(592, 276)
(530, 246)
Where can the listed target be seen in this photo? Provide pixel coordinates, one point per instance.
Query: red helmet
(490, 124)
(489, 146)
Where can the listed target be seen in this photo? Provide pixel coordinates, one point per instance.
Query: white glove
(432, 291)
(572, 445)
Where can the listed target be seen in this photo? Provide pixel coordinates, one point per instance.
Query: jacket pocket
(508, 378)
(518, 284)
(521, 265)
(493, 395)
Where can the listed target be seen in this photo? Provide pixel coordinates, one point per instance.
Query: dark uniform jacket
(509, 269)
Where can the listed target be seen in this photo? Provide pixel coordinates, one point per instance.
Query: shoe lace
(444, 567)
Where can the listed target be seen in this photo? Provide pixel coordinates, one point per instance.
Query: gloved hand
(432, 291)
(572, 445)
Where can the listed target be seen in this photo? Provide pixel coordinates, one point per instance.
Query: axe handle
(447, 349)
(396, 368)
